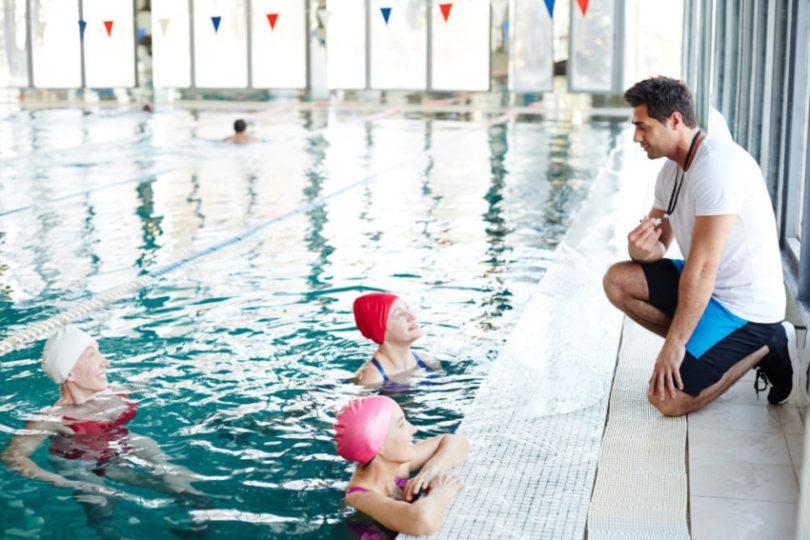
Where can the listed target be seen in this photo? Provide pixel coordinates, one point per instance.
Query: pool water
(240, 359)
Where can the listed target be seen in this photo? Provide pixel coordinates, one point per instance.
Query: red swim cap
(371, 314)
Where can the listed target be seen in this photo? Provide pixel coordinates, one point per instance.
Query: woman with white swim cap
(88, 436)
(373, 432)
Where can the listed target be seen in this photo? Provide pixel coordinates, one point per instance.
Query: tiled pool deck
(563, 441)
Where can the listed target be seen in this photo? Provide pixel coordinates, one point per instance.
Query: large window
(760, 81)
(591, 65)
(171, 44)
(346, 44)
(56, 44)
(278, 51)
(220, 43)
(109, 43)
(531, 65)
(13, 38)
(397, 26)
(460, 46)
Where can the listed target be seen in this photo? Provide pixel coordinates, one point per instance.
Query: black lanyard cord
(676, 188)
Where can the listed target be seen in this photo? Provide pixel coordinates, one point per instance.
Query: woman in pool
(88, 436)
(374, 432)
(388, 321)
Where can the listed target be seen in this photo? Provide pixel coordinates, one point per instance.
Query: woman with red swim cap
(388, 321)
(373, 431)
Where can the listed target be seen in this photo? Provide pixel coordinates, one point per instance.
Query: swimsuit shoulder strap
(352, 490)
(419, 361)
(400, 482)
(379, 367)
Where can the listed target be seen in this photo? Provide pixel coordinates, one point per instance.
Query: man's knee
(669, 406)
(614, 282)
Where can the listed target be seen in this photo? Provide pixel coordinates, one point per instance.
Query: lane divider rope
(143, 179)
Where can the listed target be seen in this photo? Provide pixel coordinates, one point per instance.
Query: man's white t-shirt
(725, 179)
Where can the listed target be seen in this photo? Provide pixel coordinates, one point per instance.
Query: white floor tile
(795, 448)
(712, 444)
(773, 483)
(747, 417)
(743, 392)
(722, 519)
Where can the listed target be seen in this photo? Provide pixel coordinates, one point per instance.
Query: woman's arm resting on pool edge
(434, 456)
(422, 517)
(440, 453)
(24, 443)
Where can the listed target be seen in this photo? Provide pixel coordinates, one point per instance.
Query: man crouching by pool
(89, 439)
(720, 310)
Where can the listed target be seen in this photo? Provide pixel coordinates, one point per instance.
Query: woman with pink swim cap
(388, 321)
(374, 432)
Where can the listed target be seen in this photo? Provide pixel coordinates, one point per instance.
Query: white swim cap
(62, 351)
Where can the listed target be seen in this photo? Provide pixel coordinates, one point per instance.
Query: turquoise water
(240, 359)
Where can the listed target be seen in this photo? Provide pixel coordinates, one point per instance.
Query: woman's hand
(418, 483)
(446, 482)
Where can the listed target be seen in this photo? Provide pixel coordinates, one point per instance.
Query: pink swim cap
(362, 426)
(371, 314)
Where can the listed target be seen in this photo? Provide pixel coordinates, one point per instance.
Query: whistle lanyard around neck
(676, 188)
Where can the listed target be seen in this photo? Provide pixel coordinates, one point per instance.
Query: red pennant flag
(446, 10)
(272, 17)
(108, 26)
(583, 5)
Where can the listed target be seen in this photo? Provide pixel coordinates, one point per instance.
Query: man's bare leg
(626, 288)
(683, 403)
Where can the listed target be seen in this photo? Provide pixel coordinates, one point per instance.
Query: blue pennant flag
(550, 8)
(82, 26)
(216, 20)
(386, 11)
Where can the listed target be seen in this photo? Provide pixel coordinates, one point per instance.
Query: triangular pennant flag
(386, 11)
(272, 17)
(216, 20)
(550, 8)
(82, 26)
(108, 26)
(164, 24)
(323, 16)
(445, 10)
(583, 5)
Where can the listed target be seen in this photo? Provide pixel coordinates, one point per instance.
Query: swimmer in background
(89, 440)
(373, 432)
(388, 321)
(240, 136)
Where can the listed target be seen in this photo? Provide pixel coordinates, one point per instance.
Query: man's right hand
(643, 242)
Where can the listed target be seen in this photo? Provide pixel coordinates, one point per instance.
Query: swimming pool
(240, 358)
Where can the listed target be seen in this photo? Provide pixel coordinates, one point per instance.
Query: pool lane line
(143, 179)
(38, 330)
(446, 101)
(382, 114)
(148, 178)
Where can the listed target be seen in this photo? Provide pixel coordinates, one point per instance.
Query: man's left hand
(666, 374)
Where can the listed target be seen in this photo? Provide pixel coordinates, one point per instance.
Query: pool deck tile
(744, 466)
(717, 518)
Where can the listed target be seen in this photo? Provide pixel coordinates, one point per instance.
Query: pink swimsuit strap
(399, 481)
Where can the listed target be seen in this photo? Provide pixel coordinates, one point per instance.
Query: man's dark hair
(239, 126)
(663, 96)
